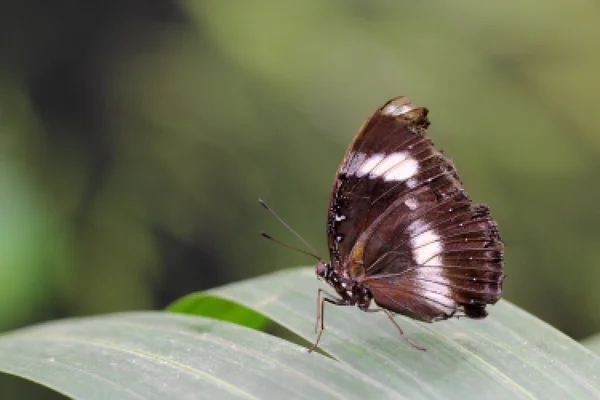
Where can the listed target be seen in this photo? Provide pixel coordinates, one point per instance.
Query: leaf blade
(163, 355)
(511, 353)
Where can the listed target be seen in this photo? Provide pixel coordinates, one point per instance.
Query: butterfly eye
(322, 269)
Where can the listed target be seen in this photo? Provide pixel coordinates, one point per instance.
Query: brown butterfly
(402, 231)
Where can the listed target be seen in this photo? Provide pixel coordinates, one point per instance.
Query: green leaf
(157, 355)
(216, 307)
(510, 354)
(154, 355)
(592, 343)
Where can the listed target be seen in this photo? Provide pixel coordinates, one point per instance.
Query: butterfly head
(323, 269)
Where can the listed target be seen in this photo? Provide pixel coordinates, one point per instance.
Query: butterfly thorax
(351, 292)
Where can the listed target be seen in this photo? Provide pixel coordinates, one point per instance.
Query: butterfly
(404, 237)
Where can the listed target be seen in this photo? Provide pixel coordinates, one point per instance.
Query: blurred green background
(136, 137)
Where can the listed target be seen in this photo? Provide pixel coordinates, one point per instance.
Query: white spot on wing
(395, 109)
(368, 165)
(357, 161)
(339, 218)
(411, 183)
(427, 248)
(426, 244)
(389, 162)
(439, 294)
(398, 166)
(411, 203)
(403, 171)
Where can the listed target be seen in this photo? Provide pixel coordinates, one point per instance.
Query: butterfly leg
(321, 299)
(389, 314)
(320, 306)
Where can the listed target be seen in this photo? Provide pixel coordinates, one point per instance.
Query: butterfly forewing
(401, 224)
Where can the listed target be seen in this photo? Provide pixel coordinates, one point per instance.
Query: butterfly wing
(454, 263)
(400, 222)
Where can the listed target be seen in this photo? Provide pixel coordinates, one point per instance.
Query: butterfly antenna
(308, 253)
(312, 252)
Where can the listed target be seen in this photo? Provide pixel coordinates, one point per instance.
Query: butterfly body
(351, 292)
(401, 230)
